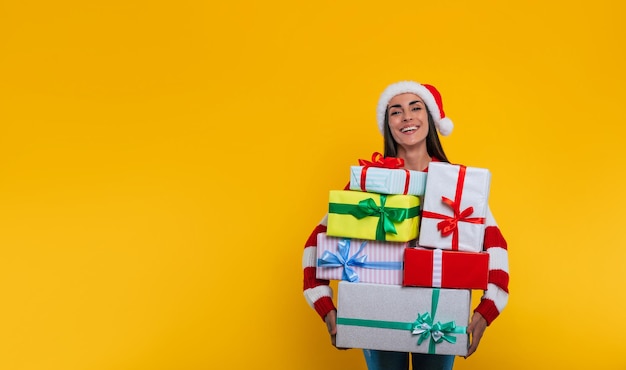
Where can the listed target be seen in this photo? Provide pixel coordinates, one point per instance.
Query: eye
(393, 113)
(417, 108)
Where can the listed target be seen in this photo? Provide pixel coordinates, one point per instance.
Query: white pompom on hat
(428, 93)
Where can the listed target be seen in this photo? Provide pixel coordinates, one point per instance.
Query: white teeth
(407, 129)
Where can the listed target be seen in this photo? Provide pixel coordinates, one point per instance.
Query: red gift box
(445, 269)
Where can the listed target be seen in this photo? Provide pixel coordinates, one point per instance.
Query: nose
(407, 116)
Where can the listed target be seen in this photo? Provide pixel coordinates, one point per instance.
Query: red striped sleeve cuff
(487, 308)
(323, 306)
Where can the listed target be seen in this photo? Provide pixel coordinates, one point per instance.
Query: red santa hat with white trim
(428, 93)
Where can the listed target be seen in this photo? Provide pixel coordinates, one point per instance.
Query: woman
(409, 115)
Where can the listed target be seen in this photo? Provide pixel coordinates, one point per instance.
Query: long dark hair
(433, 145)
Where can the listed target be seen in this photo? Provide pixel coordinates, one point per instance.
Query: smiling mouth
(404, 130)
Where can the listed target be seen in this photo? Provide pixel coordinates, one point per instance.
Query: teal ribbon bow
(368, 208)
(438, 332)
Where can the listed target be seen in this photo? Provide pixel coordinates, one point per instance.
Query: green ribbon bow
(368, 208)
(438, 331)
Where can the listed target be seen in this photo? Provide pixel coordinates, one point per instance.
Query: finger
(331, 322)
(331, 326)
(470, 350)
(470, 327)
(476, 336)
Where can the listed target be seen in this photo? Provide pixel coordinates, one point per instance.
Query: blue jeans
(386, 360)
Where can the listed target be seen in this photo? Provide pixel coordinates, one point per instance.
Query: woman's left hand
(475, 329)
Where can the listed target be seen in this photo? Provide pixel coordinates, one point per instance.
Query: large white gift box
(455, 207)
(403, 319)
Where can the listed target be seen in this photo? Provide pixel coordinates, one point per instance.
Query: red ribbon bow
(449, 224)
(378, 160)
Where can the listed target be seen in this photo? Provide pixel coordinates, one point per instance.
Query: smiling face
(408, 121)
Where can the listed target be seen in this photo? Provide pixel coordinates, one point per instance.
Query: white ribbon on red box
(437, 267)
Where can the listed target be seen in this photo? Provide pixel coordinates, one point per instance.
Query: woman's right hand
(331, 325)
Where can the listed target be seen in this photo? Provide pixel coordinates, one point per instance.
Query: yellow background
(162, 163)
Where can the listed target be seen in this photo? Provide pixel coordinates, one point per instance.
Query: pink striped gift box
(358, 260)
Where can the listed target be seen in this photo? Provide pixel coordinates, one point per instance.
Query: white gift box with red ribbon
(455, 207)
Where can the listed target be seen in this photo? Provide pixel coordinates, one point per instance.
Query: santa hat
(428, 93)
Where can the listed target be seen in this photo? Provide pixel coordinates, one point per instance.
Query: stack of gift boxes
(406, 247)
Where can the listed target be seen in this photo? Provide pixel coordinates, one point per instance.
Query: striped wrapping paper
(360, 260)
(388, 181)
